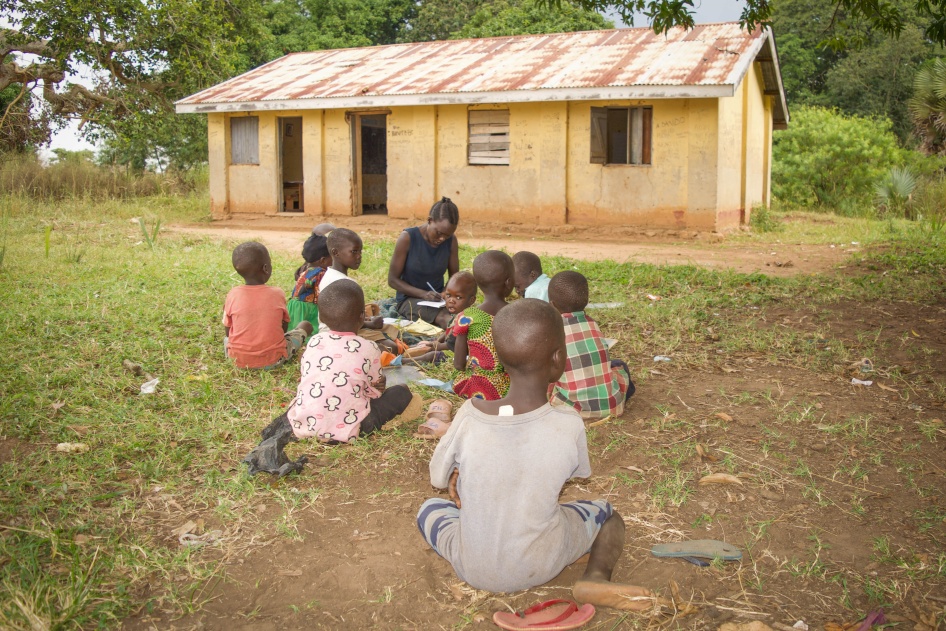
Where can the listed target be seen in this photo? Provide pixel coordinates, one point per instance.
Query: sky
(705, 11)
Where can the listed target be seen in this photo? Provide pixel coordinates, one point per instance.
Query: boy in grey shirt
(508, 460)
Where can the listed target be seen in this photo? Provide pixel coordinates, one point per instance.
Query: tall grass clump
(763, 219)
(929, 203)
(79, 178)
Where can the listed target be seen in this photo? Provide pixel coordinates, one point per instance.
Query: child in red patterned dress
(482, 375)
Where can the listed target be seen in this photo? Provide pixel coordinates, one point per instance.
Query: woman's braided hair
(445, 209)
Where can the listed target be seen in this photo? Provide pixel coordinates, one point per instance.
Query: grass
(80, 292)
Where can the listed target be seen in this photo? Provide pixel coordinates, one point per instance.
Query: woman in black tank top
(422, 255)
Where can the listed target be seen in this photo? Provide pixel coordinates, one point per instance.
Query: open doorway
(370, 177)
(290, 164)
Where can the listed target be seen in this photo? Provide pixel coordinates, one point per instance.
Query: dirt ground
(839, 505)
(281, 233)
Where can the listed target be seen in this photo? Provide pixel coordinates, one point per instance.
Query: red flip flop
(553, 615)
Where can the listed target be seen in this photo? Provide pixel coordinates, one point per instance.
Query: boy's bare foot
(615, 595)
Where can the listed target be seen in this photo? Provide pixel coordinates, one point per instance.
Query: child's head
(345, 248)
(251, 261)
(568, 292)
(315, 251)
(342, 306)
(530, 338)
(442, 221)
(323, 229)
(493, 271)
(528, 268)
(460, 292)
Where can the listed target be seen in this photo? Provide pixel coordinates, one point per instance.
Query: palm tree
(928, 105)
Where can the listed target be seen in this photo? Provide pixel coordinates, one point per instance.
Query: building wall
(412, 182)
(702, 166)
(730, 183)
(530, 189)
(336, 163)
(312, 163)
(254, 188)
(757, 134)
(218, 158)
(710, 160)
(745, 123)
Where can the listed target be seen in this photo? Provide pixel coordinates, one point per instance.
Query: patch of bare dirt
(10, 448)
(618, 244)
(838, 506)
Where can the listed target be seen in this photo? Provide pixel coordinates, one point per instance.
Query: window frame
(244, 140)
(488, 133)
(639, 146)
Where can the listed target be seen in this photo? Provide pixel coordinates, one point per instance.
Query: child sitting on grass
(345, 247)
(320, 230)
(530, 281)
(341, 394)
(482, 375)
(509, 532)
(593, 384)
(459, 294)
(304, 302)
(255, 318)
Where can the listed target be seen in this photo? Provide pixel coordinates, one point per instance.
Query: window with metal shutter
(244, 140)
(488, 137)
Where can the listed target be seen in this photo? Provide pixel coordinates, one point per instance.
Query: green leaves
(887, 17)
(825, 159)
(518, 18)
(928, 105)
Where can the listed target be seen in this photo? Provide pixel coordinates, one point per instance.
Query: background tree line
(880, 63)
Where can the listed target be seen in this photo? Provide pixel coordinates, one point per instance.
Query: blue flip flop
(697, 550)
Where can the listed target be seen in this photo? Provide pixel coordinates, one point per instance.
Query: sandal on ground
(437, 421)
(553, 615)
(698, 549)
(417, 351)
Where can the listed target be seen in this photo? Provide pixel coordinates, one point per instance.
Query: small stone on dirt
(755, 625)
(819, 446)
(771, 495)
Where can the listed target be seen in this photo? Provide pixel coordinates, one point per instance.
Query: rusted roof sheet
(708, 60)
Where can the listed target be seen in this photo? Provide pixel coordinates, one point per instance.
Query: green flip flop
(698, 549)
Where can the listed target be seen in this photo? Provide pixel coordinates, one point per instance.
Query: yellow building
(615, 127)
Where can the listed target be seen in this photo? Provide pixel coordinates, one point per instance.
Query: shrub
(894, 192)
(831, 161)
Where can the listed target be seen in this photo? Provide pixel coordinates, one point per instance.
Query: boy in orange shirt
(255, 318)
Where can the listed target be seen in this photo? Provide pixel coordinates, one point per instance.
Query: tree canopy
(884, 16)
(144, 55)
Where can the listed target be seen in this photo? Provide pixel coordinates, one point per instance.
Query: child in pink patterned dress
(342, 391)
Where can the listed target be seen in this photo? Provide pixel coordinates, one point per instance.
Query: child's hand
(452, 487)
(380, 384)
(374, 323)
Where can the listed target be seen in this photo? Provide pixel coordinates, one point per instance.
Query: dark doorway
(290, 164)
(371, 166)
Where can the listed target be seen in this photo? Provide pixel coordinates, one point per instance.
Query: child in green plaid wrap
(592, 383)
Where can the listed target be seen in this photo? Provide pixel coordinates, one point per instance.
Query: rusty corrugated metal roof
(549, 67)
